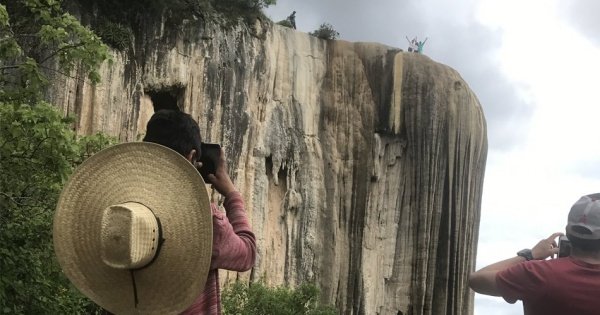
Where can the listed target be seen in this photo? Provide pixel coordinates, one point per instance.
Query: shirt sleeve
(522, 281)
(234, 244)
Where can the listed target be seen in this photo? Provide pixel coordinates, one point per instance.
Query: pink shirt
(563, 286)
(234, 248)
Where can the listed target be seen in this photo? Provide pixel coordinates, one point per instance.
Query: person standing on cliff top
(234, 243)
(292, 19)
(564, 286)
(412, 44)
(420, 46)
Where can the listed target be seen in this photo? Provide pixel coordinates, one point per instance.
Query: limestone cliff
(361, 165)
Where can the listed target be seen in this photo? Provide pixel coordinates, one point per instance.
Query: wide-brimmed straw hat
(133, 230)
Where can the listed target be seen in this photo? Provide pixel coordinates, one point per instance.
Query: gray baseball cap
(584, 218)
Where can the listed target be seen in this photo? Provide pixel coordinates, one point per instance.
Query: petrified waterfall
(361, 165)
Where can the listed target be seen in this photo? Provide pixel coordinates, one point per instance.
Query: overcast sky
(535, 67)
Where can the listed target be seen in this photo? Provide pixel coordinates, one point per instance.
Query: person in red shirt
(566, 285)
(234, 244)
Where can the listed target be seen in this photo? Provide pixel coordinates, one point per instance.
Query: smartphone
(209, 156)
(564, 247)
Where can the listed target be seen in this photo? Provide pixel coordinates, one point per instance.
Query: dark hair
(583, 244)
(174, 129)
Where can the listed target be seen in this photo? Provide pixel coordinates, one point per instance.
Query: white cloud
(583, 15)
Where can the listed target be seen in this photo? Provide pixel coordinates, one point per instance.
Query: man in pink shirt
(567, 285)
(234, 244)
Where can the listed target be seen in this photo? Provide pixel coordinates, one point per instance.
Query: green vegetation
(257, 298)
(116, 35)
(325, 31)
(285, 23)
(248, 9)
(34, 36)
(174, 11)
(38, 150)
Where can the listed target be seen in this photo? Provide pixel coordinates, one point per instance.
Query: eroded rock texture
(361, 165)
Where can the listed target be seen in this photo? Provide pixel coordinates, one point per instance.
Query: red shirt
(234, 248)
(563, 286)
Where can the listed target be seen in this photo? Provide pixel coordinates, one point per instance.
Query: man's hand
(546, 247)
(220, 180)
(484, 280)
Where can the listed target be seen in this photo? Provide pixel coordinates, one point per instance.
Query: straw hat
(133, 230)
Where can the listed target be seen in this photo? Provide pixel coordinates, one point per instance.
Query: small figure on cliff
(569, 284)
(420, 45)
(412, 44)
(292, 19)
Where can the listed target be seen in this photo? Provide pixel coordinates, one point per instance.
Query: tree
(38, 35)
(325, 31)
(38, 150)
(257, 298)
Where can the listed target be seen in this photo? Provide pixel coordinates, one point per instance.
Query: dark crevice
(167, 98)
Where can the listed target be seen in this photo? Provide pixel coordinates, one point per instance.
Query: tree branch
(11, 198)
(38, 146)
(67, 47)
(9, 67)
(66, 75)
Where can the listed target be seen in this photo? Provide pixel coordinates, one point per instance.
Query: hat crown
(168, 185)
(129, 235)
(584, 217)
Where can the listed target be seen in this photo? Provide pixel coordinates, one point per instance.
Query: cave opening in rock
(167, 98)
(281, 173)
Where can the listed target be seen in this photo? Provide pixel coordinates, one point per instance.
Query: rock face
(361, 165)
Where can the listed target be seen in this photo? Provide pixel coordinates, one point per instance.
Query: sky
(535, 67)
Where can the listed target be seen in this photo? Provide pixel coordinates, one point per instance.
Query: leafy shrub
(285, 23)
(325, 31)
(115, 35)
(38, 151)
(256, 299)
(128, 12)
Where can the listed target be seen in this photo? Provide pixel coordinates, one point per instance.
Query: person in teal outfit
(420, 45)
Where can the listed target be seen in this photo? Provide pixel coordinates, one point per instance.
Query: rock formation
(361, 165)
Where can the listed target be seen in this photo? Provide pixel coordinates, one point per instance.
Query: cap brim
(170, 186)
(576, 230)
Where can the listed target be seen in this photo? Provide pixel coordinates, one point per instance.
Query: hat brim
(588, 234)
(162, 180)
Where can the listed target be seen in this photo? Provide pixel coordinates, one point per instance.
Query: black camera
(564, 247)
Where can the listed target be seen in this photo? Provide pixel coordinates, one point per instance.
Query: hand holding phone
(209, 157)
(564, 246)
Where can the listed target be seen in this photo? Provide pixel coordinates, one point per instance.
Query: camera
(564, 247)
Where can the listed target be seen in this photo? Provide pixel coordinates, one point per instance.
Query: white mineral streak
(361, 165)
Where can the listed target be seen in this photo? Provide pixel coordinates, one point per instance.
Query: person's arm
(234, 246)
(483, 281)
